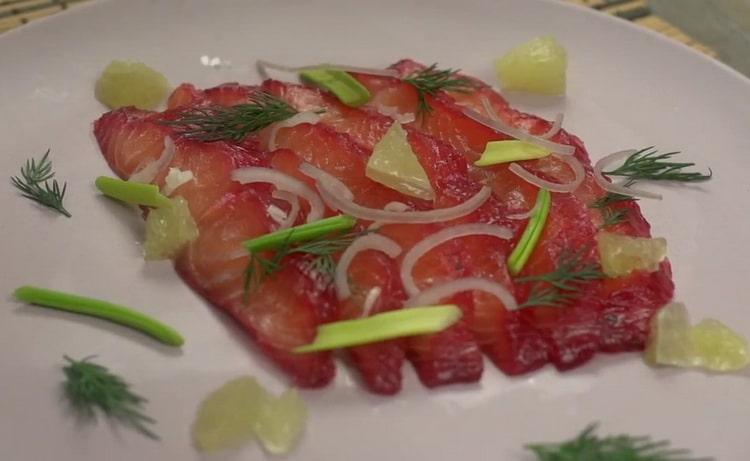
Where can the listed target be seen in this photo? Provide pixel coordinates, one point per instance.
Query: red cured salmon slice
(282, 312)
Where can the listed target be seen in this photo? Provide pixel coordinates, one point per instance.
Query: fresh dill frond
(613, 217)
(232, 123)
(90, 386)
(37, 183)
(431, 80)
(649, 164)
(320, 250)
(610, 198)
(564, 283)
(589, 447)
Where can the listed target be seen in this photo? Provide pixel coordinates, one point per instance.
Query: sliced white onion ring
(297, 119)
(370, 300)
(146, 174)
(366, 242)
(438, 238)
(390, 206)
(333, 192)
(614, 187)
(440, 291)
(282, 182)
(519, 134)
(525, 214)
(529, 177)
(263, 67)
(555, 128)
(288, 219)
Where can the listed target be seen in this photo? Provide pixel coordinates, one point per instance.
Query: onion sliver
(443, 290)
(282, 182)
(516, 133)
(331, 190)
(618, 188)
(366, 242)
(438, 238)
(370, 300)
(148, 173)
(573, 162)
(297, 119)
(263, 67)
(293, 201)
(555, 128)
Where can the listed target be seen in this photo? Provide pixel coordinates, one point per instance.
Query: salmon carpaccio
(284, 311)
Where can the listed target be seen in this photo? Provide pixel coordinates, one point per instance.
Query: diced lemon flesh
(168, 229)
(394, 164)
(280, 422)
(127, 83)
(709, 344)
(622, 254)
(227, 416)
(537, 66)
(242, 409)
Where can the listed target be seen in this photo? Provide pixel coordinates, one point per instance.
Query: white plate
(627, 88)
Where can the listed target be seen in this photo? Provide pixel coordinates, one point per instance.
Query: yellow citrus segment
(394, 165)
(537, 66)
(127, 83)
(621, 254)
(720, 348)
(168, 229)
(226, 417)
(280, 422)
(709, 344)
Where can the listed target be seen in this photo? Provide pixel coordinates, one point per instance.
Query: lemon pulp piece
(280, 422)
(669, 342)
(226, 417)
(168, 229)
(719, 348)
(621, 254)
(537, 66)
(128, 83)
(395, 165)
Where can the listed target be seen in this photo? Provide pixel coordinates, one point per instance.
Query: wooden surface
(16, 13)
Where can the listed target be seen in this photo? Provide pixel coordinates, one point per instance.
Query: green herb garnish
(430, 81)
(589, 447)
(410, 321)
(345, 87)
(90, 386)
(526, 244)
(612, 217)
(559, 287)
(496, 152)
(648, 164)
(134, 193)
(36, 183)
(232, 123)
(610, 198)
(101, 309)
(320, 239)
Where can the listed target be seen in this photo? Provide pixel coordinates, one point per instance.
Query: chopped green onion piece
(102, 309)
(345, 87)
(132, 192)
(410, 321)
(521, 253)
(510, 151)
(301, 233)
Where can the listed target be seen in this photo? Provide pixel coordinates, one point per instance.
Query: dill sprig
(320, 250)
(429, 81)
(36, 183)
(90, 386)
(610, 198)
(562, 284)
(613, 217)
(232, 123)
(589, 447)
(648, 164)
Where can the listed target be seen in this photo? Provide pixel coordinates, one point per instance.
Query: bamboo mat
(15, 13)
